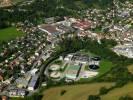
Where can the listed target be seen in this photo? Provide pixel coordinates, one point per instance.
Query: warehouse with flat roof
(33, 83)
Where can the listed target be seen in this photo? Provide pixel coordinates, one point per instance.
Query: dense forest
(47, 8)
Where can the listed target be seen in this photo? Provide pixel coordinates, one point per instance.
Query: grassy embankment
(74, 92)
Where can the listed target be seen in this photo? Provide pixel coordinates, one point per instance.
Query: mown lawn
(105, 66)
(74, 92)
(9, 33)
(116, 93)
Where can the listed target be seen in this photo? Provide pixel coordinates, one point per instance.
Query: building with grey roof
(32, 83)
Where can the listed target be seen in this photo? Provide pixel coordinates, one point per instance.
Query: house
(21, 93)
(27, 76)
(12, 93)
(17, 93)
(21, 83)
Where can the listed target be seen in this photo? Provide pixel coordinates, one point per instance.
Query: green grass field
(105, 66)
(9, 33)
(74, 92)
(116, 93)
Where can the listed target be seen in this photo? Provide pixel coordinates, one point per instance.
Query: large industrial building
(49, 29)
(33, 83)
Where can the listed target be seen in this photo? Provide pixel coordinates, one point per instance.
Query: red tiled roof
(82, 24)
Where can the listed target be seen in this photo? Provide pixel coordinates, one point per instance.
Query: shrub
(63, 92)
(103, 90)
(125, 98)
(94, 97)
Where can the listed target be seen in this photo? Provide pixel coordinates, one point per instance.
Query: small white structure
(33, 71)
(88, 74)
(68, 57)
(61, 58)
(54, 67)
(55, 75)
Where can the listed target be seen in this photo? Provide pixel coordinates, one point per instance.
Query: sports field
(118, 92)
(9, 33)
(74, 92)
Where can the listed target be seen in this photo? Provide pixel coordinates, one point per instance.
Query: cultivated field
(9, 33)
(74, 92)
(118, 92)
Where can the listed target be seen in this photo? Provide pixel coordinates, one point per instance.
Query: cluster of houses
(115, 23)
(21, 60)
(17, 93)
(95, 18)
(123, 31)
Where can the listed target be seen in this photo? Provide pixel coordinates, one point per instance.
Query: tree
(126, 98)
(103, 90)
(63, 92)
(94, 97)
